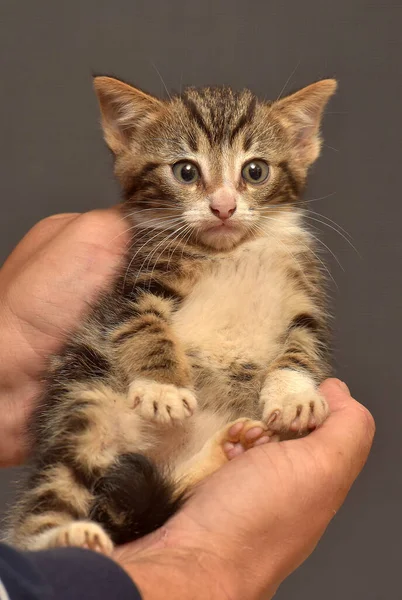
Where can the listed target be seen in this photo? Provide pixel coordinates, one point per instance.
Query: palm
(268, 507)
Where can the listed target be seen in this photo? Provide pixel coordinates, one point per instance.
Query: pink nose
(223, 204)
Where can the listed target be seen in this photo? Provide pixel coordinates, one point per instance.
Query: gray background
(53, 159)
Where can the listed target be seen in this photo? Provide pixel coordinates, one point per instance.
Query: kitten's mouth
(222, 228)
(223, 235)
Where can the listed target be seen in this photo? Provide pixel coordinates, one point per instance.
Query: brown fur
(201, 330)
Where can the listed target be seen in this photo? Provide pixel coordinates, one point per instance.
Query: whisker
(288, 80)
(149, 256)
(280, 242)
(176, 233)
(165, 139)
(161, 78)
(310, 250)
(153, 205)
(329, 250)
(163, 241)
(316, 199)
(185, 241)
(328, 219)
(338, 232)
(170, 98)
(343, 233)
(331, 148)
(156, 207)
(139, 250)
(141, 225)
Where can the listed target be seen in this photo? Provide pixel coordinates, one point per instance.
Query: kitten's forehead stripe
(195, 113)
(244, 119)
(192, 142)
(247, 142)
(220, 113)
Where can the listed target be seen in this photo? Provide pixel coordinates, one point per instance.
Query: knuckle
(101, 229)
(365, 419)
(48, 222)
(90, 224)
(368, 421)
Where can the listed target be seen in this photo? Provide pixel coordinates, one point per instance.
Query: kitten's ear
(301, 113)
(124, 111)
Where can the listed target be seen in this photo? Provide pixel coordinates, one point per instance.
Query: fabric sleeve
(62, 574)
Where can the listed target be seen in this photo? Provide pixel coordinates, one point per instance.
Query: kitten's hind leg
(79, 443)
(233, 440)
(54, 513)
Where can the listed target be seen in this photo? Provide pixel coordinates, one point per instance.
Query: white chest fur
(237, 311)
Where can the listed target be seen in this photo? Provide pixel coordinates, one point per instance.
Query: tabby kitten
(214, 337)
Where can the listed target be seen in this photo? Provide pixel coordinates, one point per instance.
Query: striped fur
(201, 329)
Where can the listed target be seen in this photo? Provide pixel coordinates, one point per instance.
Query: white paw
(292, 403)
(161, 402)
(84, 534)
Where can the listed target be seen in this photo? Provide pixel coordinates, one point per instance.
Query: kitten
(214, 337)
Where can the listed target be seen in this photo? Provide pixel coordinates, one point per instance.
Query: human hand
(253, 522)
(46, 285)
(250, 524)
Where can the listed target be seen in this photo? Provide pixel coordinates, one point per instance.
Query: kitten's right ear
(301, 113)
(124, 111)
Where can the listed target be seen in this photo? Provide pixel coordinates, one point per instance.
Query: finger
(345, 439)
(64, 276)
(34, 240)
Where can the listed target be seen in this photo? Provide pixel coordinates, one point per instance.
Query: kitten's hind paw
(161, 402)
(85, 534)
(241, 435)
(231, 441)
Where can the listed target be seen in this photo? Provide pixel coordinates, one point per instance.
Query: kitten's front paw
(161, 402)
(292, 403)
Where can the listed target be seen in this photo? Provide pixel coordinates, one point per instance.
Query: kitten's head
(211, 165)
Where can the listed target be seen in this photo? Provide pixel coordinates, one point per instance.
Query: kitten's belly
(235, 313)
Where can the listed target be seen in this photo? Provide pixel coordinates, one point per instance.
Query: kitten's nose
(223, 204)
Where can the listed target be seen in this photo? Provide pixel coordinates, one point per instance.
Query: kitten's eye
(255, 171)
(186, 172)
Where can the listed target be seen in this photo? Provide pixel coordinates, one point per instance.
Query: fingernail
(343, 386)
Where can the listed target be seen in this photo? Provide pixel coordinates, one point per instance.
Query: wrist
(168, 564)
(179, 574)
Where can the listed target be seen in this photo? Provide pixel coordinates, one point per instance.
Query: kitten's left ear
(125, 110)
(301, 113)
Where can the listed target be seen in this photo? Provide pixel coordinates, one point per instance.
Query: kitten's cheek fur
(292, 402)
(160, 402)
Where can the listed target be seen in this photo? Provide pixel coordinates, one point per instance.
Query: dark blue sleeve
(62, 574)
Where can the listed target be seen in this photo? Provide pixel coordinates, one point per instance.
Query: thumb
(56, 282)
(346, 436)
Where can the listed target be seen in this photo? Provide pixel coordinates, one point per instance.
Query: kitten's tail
(134, 498)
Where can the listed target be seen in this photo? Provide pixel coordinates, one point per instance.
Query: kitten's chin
(222, 237)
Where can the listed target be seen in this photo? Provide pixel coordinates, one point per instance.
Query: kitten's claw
(292, 403)
(241, 435)
(84, 534)
(161, 402)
